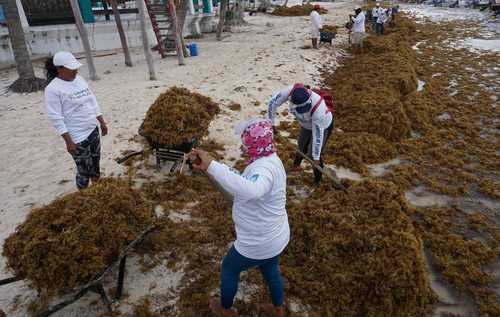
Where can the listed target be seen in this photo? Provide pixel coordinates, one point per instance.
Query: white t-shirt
(72, 107)
(382, 16)
(317, 122)
(359, 23)
(259, 213)
(316, 23)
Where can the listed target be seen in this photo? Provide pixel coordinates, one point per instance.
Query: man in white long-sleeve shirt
(315, 119)
(381, 20)
(74, 112)
(358, 28)
(316, 25)
(259, 215)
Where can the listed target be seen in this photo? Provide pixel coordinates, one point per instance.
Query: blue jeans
(235, 263)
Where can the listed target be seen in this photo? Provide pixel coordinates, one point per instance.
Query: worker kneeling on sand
(316, 25)
(259, 215)
(358, 28)
(313, 110)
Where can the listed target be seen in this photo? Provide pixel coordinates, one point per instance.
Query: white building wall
(46, 40)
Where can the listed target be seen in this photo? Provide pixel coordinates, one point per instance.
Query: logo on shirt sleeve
(253, 178)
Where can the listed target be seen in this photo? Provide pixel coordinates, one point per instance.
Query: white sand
(35, 168)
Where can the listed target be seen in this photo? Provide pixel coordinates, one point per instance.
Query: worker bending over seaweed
(259, 215)
(315, 117)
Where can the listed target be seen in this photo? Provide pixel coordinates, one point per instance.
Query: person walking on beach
(314, 116)
(259, 215)
(358, 28)
(74, 112)
(316, 25)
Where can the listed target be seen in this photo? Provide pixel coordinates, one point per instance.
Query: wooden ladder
(164, 22)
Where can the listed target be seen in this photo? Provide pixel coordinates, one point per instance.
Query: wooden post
(85, 39)
(175, 29)
(121, 32)
(222, 19)
(145, 40)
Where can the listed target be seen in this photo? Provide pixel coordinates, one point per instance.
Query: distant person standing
(358, 28)
(381, 19)
(394, 12)
(74, 112)
(375, 16)
(316, 25)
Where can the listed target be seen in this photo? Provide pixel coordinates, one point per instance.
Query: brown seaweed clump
(297, 10)
(72, 240)
(178, 115)
(356, 253)
(357, 149)
(329, 28)
(461, 247)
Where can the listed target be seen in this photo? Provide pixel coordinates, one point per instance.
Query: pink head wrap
(257, 138)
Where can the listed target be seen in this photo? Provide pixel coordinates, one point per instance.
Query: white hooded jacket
(317, 122)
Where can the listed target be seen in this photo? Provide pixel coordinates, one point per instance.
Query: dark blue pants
(380, 28)
(235, 263)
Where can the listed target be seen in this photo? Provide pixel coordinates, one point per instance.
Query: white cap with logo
(66, 60)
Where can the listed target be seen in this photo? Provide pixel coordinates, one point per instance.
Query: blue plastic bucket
(193, 49)
(2, 16)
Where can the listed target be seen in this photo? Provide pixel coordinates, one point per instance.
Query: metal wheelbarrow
(174, 153)
(326, 37)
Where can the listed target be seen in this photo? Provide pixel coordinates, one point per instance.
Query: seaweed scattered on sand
(234, 106)
(444, 133)
(355, 245)
(462, 246)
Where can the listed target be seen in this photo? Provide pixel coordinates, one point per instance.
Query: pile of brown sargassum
(177, 116)
(298, 10)
(75, 238)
